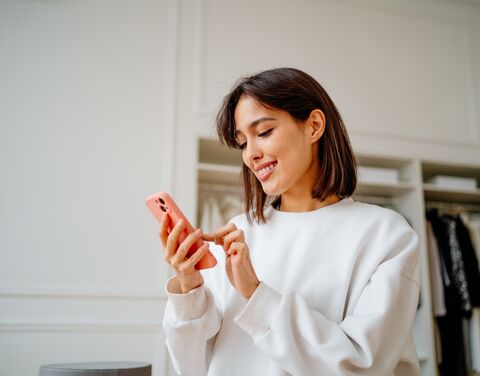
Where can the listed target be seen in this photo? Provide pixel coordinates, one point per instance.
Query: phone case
(161, 203)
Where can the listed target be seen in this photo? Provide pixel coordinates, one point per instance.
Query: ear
(315, 125)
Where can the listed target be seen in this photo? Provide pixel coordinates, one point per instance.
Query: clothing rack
(452, 206)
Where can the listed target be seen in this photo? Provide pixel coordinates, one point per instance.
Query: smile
(265, 172)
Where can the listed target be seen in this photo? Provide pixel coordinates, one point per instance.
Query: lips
(264, 171)
(263, 165)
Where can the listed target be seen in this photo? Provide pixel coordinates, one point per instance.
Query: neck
(291, 204)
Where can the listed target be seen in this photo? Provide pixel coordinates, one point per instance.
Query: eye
(240, 145)
(266, 133)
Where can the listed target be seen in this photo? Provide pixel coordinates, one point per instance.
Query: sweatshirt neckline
(278, 214)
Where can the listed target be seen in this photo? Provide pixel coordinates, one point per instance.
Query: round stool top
(97, 369)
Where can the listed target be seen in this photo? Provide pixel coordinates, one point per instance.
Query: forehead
(249, 113)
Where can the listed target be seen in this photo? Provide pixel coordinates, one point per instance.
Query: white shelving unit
(220, 165)
(435, 193)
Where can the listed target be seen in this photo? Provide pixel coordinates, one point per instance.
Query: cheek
(244, 159)
(298, 158)
(246, 162)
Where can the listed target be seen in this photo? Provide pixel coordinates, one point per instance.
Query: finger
(218, 235)
(192, 261)
(163, 233)
(234, 236)
(172, 241)
(185, 246)
(237, 248)
(208, 237)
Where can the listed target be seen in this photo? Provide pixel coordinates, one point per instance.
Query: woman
(309, 282)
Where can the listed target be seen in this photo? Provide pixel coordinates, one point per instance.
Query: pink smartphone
(161, 203)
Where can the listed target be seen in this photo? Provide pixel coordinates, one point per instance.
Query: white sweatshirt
(338, 296)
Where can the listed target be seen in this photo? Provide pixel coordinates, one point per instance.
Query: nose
(251, 153)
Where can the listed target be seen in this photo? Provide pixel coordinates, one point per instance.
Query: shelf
(430, 169)
(227, 174)
(381, 161)
(219, 174)
(383, 189)
(224, 169)
(435, 193)
(213, 152)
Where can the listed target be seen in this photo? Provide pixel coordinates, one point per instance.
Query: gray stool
(97, 369)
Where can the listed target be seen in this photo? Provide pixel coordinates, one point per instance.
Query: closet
(402, 184)
(453, 248)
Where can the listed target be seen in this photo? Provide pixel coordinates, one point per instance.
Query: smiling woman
(290, 114)
(311, 283)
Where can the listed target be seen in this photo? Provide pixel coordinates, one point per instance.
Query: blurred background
(105, 102)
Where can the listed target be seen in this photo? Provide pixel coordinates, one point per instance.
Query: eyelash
(263, 134)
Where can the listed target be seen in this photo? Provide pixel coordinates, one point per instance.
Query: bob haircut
(299, 94)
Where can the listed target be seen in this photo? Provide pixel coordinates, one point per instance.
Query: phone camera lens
(161, 200)
(163, 208)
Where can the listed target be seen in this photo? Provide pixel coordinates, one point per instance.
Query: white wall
(102, 103)
(404, 74)
(85, 88)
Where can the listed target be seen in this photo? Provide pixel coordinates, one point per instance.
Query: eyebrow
(255, 123)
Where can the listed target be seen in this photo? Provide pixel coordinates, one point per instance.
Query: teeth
(266, 169)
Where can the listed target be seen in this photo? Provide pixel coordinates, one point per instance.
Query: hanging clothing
(450, 325)
(435, 268)
(472, 222)
(230, 206)
(472, 273)
(436, 285)
(459, 275)
(211, 215)
(475, 339)
(217, 208)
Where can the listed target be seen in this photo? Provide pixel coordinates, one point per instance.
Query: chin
(268, 192)
(272, 191)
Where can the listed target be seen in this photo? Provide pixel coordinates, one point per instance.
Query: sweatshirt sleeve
(190, 323)
(368, 341)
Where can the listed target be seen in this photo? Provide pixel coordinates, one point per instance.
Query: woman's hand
(238, 264)
(175, 254)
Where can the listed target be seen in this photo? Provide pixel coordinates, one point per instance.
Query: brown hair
(299, 94)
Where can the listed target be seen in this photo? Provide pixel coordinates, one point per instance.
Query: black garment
(470, 261)
(441, 224)
(459, 274)
(450, 325)
(452, 344)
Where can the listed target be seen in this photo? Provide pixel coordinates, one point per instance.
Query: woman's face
(279, 150)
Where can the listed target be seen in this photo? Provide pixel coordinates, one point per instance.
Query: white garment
(436, 284)
(472, 222)
(217, 209)
(211, 216)
(230, 206)
(475, 339)
(338, 296)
